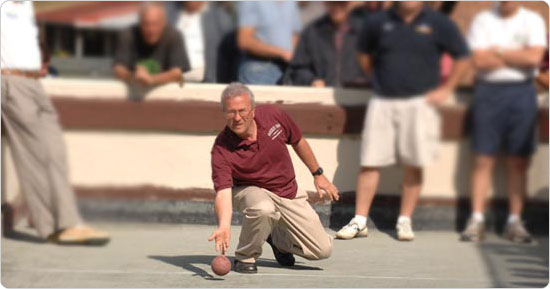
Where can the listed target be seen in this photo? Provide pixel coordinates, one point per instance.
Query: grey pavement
(162, 255)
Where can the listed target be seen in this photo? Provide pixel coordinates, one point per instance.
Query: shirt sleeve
(477, 34)
(221, 170)
(537, 31)
(177, 55)
(123, 53)
(294, 134)
(368, 36)
(248, 16)
(451, 39)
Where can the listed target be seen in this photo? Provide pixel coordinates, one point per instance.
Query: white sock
(403, 219)
(512, 218)
(360, 220)
(478, 217)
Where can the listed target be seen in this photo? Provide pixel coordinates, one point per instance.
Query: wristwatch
(318, 172)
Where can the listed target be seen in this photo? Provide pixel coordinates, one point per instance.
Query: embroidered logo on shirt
(423, 29)
(388, 26)
(275, 131)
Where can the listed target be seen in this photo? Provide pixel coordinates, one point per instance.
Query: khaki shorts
(400, 130)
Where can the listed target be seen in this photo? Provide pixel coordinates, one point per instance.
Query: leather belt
(24, 73)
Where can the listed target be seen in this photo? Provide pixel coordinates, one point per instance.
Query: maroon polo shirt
(264, 163)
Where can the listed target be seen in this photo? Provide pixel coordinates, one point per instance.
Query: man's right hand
(286, 56)
(222, 236)
(318, 83)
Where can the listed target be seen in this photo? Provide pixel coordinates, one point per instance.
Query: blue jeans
(252, 71)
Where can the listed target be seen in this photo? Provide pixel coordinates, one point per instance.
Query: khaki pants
(38, 150)
(293, 224)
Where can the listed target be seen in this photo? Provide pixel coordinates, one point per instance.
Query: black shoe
(246, 268)
(284, 259)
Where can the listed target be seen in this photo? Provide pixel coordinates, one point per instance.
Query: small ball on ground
(221, 265)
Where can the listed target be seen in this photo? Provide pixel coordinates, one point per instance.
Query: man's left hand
(438, 96)
(142, 76)
(323, 184)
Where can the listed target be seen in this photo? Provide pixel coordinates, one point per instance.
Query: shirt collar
(237, 142)
(393, 13)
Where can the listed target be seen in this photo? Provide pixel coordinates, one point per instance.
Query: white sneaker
(352, 230)
(404, 231)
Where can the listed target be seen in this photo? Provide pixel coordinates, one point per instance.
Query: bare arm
(365, 61)
(295, 39)
(543, 80)
(122, 73)
(438, 95)
(528, 57)
(172, 75)
(487, 60)
(303, 150)
(248, 42)
(459, 68)
(224, 211)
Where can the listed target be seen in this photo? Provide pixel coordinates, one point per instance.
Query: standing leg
(20, 116)
(517, 185)
(65, 208)
(378, 149)
(412, 185)
(517, 182)
(482, 176)
(367, 183)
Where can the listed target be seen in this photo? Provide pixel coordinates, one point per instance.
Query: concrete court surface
(162, 255)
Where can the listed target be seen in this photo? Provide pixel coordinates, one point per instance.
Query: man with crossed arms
(251, 163)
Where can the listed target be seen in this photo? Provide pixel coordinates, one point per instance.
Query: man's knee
(322, 250)
(261, 209)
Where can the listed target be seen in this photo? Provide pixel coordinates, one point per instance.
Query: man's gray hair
(235, 89)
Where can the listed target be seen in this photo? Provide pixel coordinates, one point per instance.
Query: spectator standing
(401, 48)
(326, 54)
(151, 53)
(268, 32)
(34, 134)
(204, 26)
(508, 44)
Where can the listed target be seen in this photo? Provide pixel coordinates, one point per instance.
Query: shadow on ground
(516, 265)
(24, 237)
(189, 262)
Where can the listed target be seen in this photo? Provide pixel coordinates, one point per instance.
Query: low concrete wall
(178, 159)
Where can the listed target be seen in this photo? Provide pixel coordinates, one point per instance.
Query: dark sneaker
(474, 232)
(516, 232)
(245, 268)
(284, 259)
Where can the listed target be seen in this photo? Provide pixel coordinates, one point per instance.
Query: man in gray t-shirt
(268, 32)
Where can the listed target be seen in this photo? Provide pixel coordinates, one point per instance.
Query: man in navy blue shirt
(400, 50)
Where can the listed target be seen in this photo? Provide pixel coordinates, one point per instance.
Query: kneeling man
(252, 165)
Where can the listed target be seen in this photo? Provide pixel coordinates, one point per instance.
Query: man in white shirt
(204, 27)
(508, 43)
(34, 134)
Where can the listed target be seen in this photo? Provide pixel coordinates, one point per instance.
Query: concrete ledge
(155, 204)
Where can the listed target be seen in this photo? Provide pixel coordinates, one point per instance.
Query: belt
(24, 73)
